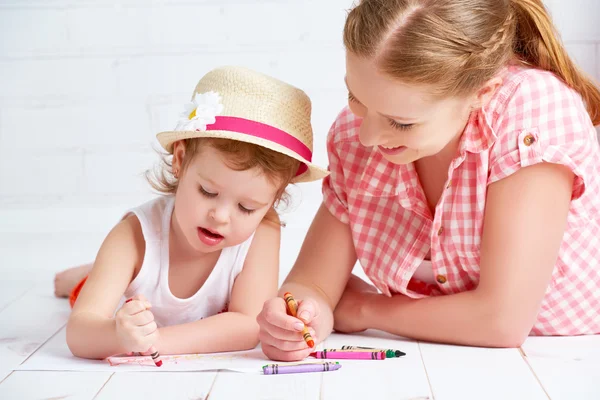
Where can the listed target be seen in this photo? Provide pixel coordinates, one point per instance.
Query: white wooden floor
(32, 322)
(556, 368)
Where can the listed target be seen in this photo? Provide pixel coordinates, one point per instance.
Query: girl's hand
(136, 329)
(347, 315)
(280, 334)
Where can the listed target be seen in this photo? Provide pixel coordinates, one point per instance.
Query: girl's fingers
(133, 307)
(142, 318)
(147, 329)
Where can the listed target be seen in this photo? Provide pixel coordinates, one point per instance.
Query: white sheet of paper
(55, 356)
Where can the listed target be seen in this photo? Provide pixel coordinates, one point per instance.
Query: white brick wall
(85, 85)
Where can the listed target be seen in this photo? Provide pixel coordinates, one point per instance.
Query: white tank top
(153, 278)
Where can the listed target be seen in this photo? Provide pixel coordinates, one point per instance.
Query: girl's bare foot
(66, 280)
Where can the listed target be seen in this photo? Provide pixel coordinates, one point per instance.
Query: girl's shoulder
(125, 244)
(153, 216)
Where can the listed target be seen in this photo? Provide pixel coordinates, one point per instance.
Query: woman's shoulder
(532, 96)
(345, 128)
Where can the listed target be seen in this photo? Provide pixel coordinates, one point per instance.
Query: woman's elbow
(505, 331)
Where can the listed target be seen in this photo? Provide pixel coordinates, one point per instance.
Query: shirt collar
(478, 135)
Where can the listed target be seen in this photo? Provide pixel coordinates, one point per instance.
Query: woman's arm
(236, 329)
(525, 220)
(317, 281)
(91, 330)
(322, 269)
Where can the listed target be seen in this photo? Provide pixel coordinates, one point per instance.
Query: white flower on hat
(201, 111)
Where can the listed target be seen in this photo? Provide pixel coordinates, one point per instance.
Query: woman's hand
(348, 315)
(280, 334)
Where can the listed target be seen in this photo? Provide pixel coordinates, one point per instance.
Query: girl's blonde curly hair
(240, 156)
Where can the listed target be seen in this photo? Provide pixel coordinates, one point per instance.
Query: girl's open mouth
(209, 237)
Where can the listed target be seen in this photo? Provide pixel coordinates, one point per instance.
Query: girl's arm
(236, 329)
(525, 220)
(91, 330)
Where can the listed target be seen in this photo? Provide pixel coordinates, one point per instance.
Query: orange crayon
(293, 309)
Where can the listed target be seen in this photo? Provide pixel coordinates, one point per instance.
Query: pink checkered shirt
(533, 118)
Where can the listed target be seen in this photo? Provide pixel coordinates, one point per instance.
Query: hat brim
(313, 172)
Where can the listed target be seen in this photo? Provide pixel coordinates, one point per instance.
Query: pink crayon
(349, 355)
(153, 352)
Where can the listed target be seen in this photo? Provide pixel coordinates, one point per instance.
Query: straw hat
(240, 104)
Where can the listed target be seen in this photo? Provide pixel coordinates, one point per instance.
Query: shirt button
(441, 279)
(449, 184)
(529, 140)
(441, 230)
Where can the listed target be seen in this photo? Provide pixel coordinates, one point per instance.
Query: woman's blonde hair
(458, 45)
(240, 156)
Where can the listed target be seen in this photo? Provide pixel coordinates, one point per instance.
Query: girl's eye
(207, 193)
(351, 97)
(245, 210)
(399, 126)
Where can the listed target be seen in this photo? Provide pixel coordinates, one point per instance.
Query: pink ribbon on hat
(263, 131)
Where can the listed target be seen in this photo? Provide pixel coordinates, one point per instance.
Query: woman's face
(404, 122)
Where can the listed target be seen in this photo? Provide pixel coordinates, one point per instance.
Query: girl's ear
(178, 156)
(484, 95)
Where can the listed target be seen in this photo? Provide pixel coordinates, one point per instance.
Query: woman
(465, 178)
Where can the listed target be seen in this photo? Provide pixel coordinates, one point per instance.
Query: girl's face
(404, 122)
(216, 206)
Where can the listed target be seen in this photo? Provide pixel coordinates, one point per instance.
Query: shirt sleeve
(544, 121)
(334, 185)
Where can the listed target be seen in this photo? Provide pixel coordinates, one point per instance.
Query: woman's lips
(392, 151)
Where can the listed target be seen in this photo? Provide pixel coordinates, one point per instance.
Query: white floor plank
(477, 373)
(234, 385)
(569, 347)
(158, 385)
(395, 378)
(27, 323)
(11, 291)
(35, 385)
(567, 367)
(568, 379)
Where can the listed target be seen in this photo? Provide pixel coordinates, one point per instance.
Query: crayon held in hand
(389, 353)
(278, 369)
(349, 355)
(153, 352)
(293, 309)
(155, 356)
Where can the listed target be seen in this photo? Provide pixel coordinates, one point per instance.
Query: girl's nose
(219, 214)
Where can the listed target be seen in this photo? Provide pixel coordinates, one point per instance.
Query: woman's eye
(207, 193)
(399, 126)
(245, 210)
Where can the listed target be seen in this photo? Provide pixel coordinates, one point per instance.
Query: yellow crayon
(293, 309)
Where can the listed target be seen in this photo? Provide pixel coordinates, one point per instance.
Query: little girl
(199, 262)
